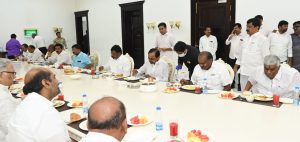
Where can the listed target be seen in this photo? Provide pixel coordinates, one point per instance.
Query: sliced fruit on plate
(171, 90)
(139, 119)
(77, 103)
(227, 95)
(74, 117)
(197, 136)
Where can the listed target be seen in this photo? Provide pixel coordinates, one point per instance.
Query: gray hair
(3, 63)
(272, 60)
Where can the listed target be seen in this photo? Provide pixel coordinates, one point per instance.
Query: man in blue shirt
(80, 59)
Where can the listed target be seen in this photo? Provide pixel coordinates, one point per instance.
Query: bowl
(133, 85)
(250, 98)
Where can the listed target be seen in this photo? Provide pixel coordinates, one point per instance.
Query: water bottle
(60, 95)
(204, 86)
(296, 96)
(85, 107)
(158, 123)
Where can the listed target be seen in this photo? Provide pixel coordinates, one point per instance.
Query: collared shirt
(165, 41)
(190, 59)
(209, 44)
(235, 45)
(296, 51)
(81, 60)
(98, 137)
(61, 41)
(51, 57)
(8, 105)
(36, 120)
(217, 76)
(63, 58)
(159, 70)
(13, 47)
(281, 45)
(121, 65)
(27, 55)
(36, 56)
(38, 42)
(254, 49)
(282, 84)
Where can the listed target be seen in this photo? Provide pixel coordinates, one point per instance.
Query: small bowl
(250, 98)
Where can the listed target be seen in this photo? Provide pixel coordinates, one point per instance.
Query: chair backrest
(230, 70)
(95, 60)
(171, 68)
(131, 63)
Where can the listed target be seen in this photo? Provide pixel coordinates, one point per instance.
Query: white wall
(16, 15)
(105, 22)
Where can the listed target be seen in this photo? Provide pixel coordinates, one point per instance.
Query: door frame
(194, 9)
(79, 34)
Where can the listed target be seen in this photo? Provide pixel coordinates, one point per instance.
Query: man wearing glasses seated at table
(155, 68)
(118, 63)
(274, 78)
(35, 119)
(8, 103)
(106, 121)
(216, 74)
(80, 59)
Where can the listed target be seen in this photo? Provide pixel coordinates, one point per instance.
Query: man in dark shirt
(296, 45)
(188, 55)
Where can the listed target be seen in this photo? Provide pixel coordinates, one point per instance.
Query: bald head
(31, 73)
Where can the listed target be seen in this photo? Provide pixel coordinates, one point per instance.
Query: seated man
(51, 55)
(36, 54)
(118, 63)
(35, 119)
(155, 67)
(8, 103)
(106, 121)
(25, 53)
(80, 59)
(274, 78)
(63, 58)
(217, 75)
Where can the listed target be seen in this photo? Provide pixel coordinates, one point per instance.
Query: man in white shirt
(165, 41)
(36, 55)
(8, 103)
(118, 63)
(263, 29)
(106, 121)
(154, 68)
(63, 58)
(208, 42)
(35, 119)
(254, 49)
(51, 55)
(274, 78)
(216, 74)
(25, 53)
(281, 43)
(39, 43)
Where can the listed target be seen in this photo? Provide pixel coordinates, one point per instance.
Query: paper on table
(139, 136)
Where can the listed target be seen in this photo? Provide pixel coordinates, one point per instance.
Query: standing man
(165, 41)
(187, 55)
(13, 47)
(254, 49)
(281, 43)
(208, 42)
(39, 43)
(80, 59)
(296, 45)
(263, 28)
(60, 40)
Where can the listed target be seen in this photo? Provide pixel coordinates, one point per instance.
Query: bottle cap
(84, 95)
(158, 108)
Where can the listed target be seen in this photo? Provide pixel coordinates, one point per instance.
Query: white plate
(66, 114)
(213, 91)
(131, 78)
(148, 88)
(145, 81)
(58, 103)
(70, 105)
(149, 121)
(189, 87)
(75, 76)
(235, 95)
(286, 100)
(83, 125)
(257, 97)
(209, 134)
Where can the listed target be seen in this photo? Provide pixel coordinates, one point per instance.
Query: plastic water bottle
(85, 107)
(296, 96)
(204, 86)
(158, 123)
(60, 95)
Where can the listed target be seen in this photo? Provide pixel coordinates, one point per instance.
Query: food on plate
(58, 103)
(139, 120)
(69, 71)
(177, 85)
(189, 87)
(118, 75)
(197, 136)
(171, 90)
(261, 97)
(77, 103)
(74, 117)
(227, 95)
(131, 78)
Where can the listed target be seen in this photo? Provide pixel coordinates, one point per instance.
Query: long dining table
(224, 120)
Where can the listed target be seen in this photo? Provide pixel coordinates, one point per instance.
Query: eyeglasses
(11, 72)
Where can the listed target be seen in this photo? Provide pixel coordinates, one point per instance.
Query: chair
(131, 63)
(94, 60)
(171, 68)
(230, 70)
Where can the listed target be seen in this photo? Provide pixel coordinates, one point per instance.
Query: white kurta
(159, 70)
(235, 45)
(36, 120)
(120, 66)
(63, 58)
(98, 137)
(166, 41)
(281, 45)
(36, 56)
(209, 44)
(38, 42)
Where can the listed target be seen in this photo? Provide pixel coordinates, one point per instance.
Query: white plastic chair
(230, 70)
(131, 63)
(94, 60)
(171, 66)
